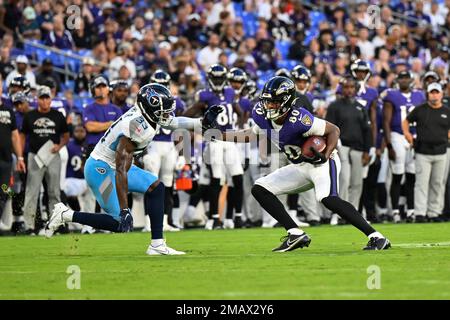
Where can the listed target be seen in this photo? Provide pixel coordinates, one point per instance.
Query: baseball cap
(100, 80)
(19, 97)
(29, 13)
(22, 59)
(47, 61)
(108, 5)
(88, 60)
(44, 91)
(341, 38)
(164, 45)
(194, 16)
(434, 86)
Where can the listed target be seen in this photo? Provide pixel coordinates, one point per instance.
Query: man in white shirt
(209, 55)
(123, 53)
(214, 17)
(22, 70)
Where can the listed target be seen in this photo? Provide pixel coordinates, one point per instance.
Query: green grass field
(230, 264)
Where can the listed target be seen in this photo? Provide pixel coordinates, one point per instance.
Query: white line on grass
(422, 245)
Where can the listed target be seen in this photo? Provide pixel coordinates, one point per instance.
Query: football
(317, 142)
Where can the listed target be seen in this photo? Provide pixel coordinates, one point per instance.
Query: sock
(238, 183)
(273, 206)
(168, 204)
(214, 193)
(96, 220)
(296, 231)
(68, 216)
(375, 235)
(348, 212)
(409, 190)
(157, 242)
(292, 201)
(231, 202)
(395, 190)
(18, 218)
(382, 195)
(154, 207)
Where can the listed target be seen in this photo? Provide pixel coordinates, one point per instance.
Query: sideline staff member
(433, 123)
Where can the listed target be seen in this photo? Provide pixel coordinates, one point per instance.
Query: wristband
(20, 158)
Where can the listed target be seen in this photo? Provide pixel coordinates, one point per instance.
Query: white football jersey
(131, 125)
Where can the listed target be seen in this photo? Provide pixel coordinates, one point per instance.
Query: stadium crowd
(376, 59)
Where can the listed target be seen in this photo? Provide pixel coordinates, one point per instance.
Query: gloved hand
(318, 157)
(126, 220)
(209, 120)
(246, 164)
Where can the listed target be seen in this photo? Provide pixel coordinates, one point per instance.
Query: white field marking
(422, 245)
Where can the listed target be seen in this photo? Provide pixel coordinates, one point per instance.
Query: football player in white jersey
(110, 173)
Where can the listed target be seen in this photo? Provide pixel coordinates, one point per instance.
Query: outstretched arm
(184, 123)
(243, 136)
(124, 159)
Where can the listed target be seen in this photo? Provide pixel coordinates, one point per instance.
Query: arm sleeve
(184, 123)
(317, 128)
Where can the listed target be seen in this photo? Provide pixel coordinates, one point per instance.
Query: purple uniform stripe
(333, 177)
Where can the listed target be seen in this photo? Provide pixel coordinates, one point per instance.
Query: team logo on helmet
(284, 88)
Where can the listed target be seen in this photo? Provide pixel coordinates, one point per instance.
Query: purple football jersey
(228, 118)
(403, 104)
(74, 165)
(289, 138)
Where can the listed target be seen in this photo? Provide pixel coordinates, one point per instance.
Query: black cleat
(313, 223)
(420, 219)
(378, 244)
(292, 242)
(217, 224)
(18, 227)
(238, 223)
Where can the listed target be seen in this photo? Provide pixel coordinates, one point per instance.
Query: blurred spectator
(28, 27)
(163, 59)
(59, 37)
(45, 18)
(266, 55)
(365, 45)
(194, 31)
(120, 89)
(124, 52)
(46, 72)
(10, 16)
(111, 48)
(82, 36)
(210, 54)
(278, 28)
(5, 63)
(222, 5)
(22, 70)
(84, 77)
(40, 126)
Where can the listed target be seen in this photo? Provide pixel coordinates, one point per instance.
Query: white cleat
(87, 230)
(56, 219)
(163, 250)
(209, 224)
(303, 224)
(228, 224)
(145, 229)
(169, 228)
(334, 219)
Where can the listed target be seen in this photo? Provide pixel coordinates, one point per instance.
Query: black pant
(5, 175)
